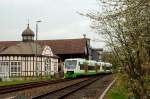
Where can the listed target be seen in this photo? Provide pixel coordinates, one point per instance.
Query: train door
(102, 67)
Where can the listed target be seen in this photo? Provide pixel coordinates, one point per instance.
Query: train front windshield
(70, 64)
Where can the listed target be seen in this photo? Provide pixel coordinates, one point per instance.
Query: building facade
(63, 48)
(27, 59)
(97, 54)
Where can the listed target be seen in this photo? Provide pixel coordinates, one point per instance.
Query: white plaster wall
(53, 64)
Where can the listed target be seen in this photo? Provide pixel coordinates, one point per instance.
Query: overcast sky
(60, 19)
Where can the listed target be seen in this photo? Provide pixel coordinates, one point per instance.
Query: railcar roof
(75, 59)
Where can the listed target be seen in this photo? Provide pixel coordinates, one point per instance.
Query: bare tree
(126, 26)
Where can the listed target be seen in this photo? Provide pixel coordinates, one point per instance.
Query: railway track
(18, 87)
(63, 92)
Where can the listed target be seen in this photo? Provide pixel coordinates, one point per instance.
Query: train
(75, 67)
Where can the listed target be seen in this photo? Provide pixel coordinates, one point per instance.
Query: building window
(29, 37)
(4, 68)
(55, 66)
(25, 38)
(15, 68)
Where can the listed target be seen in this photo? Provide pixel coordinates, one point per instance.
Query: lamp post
(37, 22)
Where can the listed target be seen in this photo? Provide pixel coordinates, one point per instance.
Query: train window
(91, 67)
(108, 68)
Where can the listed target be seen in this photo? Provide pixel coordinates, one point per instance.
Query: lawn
(5, 83)
(118, 91)
(17, 81)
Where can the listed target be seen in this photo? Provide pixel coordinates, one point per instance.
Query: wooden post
(25, 67)
(33, 67)
(41, 68)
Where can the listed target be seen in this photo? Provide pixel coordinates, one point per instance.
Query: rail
(63, 92)
(18, 87)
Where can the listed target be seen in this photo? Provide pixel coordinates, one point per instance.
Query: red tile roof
(24, 48)
(64, 46)
(6, 44)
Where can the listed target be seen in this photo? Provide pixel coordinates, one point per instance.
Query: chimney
(84, 35)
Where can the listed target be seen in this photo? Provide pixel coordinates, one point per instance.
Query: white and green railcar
(93, 67)
(77, 66)
(105, 67)
(72, 67)
(108, 68)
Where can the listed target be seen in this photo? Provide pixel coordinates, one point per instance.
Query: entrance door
(47, 66)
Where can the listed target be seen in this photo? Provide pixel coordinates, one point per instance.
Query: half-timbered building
(27, 59)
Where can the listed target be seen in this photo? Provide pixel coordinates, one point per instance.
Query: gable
(47, 51)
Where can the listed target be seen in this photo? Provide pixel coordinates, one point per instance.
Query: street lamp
(37, 22)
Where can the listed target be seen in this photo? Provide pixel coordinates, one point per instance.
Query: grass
(118, 91)
(14, 82)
